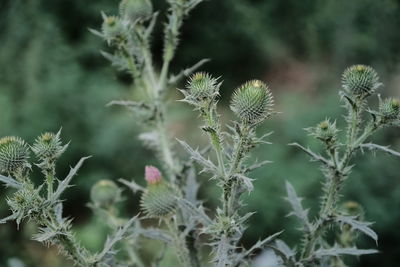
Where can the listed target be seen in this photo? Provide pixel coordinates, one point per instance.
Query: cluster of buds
(252, 102)
(325, 131)
(105, 193)
(360, 81)
(14, 155)
(160, 199)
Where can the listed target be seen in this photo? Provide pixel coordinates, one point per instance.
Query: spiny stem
(179, 244)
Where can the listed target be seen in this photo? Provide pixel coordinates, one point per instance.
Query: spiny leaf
(12, 217)
(313, 155)
(110, 242)
(386, 149)
(298, 209)
(132, 185)
(336, 251)
(247, 182)
(64, 184)
(358, 225)
(9, 182)
(207, 165)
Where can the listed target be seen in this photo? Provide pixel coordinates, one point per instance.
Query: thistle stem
(179, 244)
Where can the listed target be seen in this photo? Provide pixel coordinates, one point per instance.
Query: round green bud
(48, 146)
(134, 10)
(105, 193)
(14, 154)
(390, 109)
(160, 200)
(202, 86)
(360, 80)
(252, 102)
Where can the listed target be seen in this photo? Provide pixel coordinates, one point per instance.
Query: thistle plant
(31, 202)
(175, 217)
(358, 83)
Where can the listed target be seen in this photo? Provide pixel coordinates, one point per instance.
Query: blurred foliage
(52, 75)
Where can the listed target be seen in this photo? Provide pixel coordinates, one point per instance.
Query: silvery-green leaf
(336, 251)
(386, 149)
(10, 182)
(207, 165)
(358, 225)
(298, 209)
(12, 217)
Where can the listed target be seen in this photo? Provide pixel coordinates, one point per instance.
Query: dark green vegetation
(52, 75)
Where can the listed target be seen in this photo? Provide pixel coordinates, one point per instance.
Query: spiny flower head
(48, 146)
(360, 80)
(14, 154)
(105, 193)
(112, 29)
(160, 198)
(135, 10)
(202, 86)
(252, 102)
(390, 109)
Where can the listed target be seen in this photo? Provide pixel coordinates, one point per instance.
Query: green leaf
(64, 184)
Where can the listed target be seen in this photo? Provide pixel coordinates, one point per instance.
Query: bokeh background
(52, 76)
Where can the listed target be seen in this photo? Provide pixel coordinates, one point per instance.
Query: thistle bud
(160, 199)
(360, 80)
(325, 131)
(252, 102)
(105, 193)
(134, 10)
(48, 147)
(112, 29)
(390, 109)
(202, 86)
(14, 154)
(152, 175)
(352, 208)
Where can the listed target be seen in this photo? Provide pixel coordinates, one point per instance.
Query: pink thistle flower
(152, 175)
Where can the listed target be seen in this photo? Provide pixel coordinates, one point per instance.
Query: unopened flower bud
(252, 102)
(48, 146)
(160, 198)
(105, 193)
(134, 10)
(390, 109)
(112, 29)
(14, 154)
(325, 131)
(152, 175)
(202, 86)
(360, 80)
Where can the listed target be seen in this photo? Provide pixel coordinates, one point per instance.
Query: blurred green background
(52, 76)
